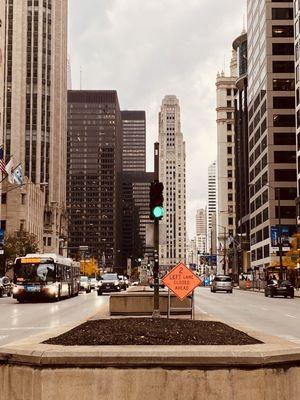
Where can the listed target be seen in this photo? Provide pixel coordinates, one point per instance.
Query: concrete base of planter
(33, 371)
(139, 301)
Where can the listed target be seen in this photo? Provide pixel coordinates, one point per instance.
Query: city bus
(47, 276)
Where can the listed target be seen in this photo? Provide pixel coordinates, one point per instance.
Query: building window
(283, 49)
(229, 185)
(282, 13)
(229, 138)
(282, 31)
(229, 173)
(230, 221)
(228, 92)
(3, 198)
(229, 127)
(284, 102)
(229, 115)
(284, 85)
(284, 120)
(229, 104)
(229, 150)
(283, 67)
(284, 157)
(49, 241)
(23, 198)
(229, 162)
(282, 175)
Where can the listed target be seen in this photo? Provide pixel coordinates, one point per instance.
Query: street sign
(182, 281)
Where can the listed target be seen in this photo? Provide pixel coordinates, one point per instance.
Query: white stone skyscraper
(212, 208)
(226, 90)
(34, 126)
(201, 230)
(172, 175)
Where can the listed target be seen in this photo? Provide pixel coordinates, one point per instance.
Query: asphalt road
(275, 316)
(18, 321)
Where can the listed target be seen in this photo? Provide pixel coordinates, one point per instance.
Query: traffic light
(156, 201)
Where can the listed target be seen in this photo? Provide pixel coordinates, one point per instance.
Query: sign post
(182, 282)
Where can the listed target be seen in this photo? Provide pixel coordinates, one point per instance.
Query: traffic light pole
(156, 312)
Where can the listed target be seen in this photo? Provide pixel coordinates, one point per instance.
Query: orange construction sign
(182, 281)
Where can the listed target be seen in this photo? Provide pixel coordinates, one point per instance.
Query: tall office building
(34, 115)
(2, 63)
(226, 91)
(201, 232)
(172, 175)
(297, 69)
(94, 187)
(212, 209)
(242, 242)
(212, 193)
(136, 187)
(134, 140)
(271, 105)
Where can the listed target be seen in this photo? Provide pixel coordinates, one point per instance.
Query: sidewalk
(297, 292)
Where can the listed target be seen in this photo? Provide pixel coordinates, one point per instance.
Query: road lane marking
(290, 316)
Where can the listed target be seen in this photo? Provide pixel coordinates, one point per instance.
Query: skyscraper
(271, 111)
(94, 190)
(136, 187)
(34, 120)
(226, 90)
(201, 232)
(134, 140)
(242, 244)
(212, 208)
(212, 193)
(172, 175)
(297, 69)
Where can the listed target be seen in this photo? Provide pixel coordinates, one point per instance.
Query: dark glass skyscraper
(134, 140)
(94, 188)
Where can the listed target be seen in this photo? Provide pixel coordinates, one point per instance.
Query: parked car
(124, 283)
(108, 283)
(279, 288)
(135, 282)
(85, 284)
(222, 283)
(5, 286)
(94, 283)
(151, 282)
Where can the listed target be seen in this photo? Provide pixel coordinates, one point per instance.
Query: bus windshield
(42, 272)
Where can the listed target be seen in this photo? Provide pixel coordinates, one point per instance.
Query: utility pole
(156, 312)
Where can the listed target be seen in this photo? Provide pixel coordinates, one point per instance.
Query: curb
(260, 291)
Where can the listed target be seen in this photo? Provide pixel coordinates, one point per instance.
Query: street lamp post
(225, 250)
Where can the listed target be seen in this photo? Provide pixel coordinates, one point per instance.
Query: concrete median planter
(140, 302)
(33, 371)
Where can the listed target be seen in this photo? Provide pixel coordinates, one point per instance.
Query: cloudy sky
(146, 49)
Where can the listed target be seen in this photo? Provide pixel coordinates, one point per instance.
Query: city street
(275, 316)
(18, 321)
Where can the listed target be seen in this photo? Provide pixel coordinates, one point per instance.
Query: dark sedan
(279, 288)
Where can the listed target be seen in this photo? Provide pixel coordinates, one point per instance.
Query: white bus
(49, 276)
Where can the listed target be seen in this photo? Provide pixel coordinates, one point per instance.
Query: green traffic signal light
(158, 212)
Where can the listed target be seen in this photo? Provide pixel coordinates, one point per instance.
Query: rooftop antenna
(80, 78)
(244, 26)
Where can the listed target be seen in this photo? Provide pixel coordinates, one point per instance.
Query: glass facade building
(271, 125)
(94, 187)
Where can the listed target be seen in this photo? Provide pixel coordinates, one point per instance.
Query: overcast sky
(146, 49)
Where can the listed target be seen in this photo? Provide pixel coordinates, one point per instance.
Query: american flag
(2, 162)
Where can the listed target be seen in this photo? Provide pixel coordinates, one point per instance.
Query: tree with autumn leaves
(17, 244)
